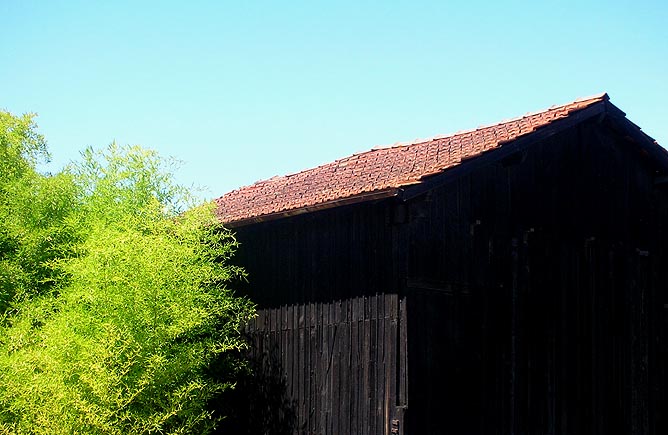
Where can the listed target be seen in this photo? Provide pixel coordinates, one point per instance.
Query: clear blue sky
(241, 91)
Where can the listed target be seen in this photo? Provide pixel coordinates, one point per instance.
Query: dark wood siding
(535, 293)
(342, 267)
(531, 297)
(320, 257)
(339, 364)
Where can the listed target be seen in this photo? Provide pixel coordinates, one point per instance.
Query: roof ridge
(600, 96)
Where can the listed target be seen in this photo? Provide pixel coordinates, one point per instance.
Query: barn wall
(535, 294)
(530, 299)
(339, 362)
(321, 257)
(330, 337)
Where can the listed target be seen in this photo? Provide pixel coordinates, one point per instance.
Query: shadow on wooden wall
(260, 403)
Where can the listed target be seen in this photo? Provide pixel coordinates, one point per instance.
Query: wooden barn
(511, 279)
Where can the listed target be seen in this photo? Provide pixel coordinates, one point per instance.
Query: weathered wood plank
(334, 365)
(355, 421)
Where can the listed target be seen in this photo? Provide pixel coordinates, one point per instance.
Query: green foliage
(20, 146)
(121, 308)
(34, 214)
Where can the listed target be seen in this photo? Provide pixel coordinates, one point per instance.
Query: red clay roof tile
(381, 168)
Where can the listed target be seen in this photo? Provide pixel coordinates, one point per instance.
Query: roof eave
(618, 121)
(363, 197)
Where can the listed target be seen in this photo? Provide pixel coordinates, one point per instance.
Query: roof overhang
(618, 122)
(364, 197)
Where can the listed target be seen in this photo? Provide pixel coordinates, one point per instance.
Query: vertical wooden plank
(380, 406)
(640, 419)
(364, 368)
(350, 379)
(290, 351)
(274, 341)
(331, 338)
(283, 327)
(302, 368)
(323, 382)
(363, 356)
(266, 333)
(380, 364)
(312, 365)
(514, 343)
(315, 359)
(403, 352)
(295, 368)
(279, 343)
(366, 383)
(355, 372)
(273, 353)
(391, 375)
(335, 365)
(298, 357)
(344, 368)
(322, 392)
(326, 368)
(363, 422)
(350, 382)
(293, 353)
(372, 361)
(254, 330)
(307, 369)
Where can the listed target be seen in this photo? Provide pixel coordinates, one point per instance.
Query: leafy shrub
(114, 300)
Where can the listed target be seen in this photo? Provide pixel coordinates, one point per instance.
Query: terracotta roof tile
(381, 168)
